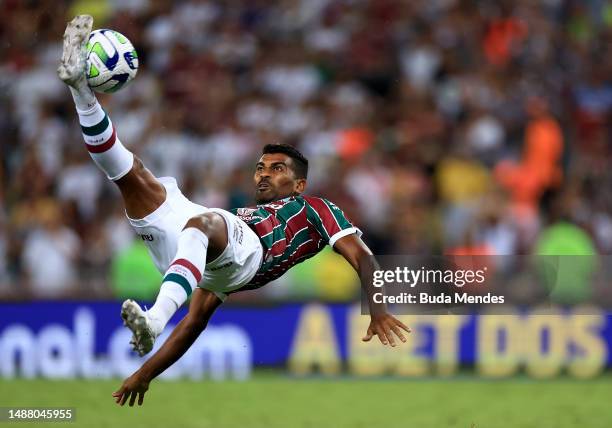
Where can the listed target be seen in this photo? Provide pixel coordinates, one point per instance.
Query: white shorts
(160, 230)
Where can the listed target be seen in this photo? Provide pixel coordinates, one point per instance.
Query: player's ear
(300, 185)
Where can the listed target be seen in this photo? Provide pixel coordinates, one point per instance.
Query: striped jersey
(292, 230)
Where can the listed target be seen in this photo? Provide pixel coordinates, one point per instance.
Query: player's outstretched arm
(383, 324)
(203, 304)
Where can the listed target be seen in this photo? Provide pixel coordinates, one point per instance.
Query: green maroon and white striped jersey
(292, 230)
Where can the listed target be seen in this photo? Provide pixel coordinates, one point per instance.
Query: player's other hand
(384, 326)
(134, 386)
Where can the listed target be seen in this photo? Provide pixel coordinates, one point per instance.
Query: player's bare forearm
(177, 344)
(357, 253)
(202, 306)
(367, 264)
(382, 324)
(180, 340)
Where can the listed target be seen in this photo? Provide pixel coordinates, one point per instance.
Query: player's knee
(138, 166)
(207, 223)
(137, 176)
(213, 226)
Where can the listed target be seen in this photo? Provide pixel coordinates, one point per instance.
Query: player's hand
(134, 386)
(384, 326)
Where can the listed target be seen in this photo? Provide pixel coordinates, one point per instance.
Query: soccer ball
(112, 61)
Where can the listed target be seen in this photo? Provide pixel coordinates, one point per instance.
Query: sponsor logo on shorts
(238, 233)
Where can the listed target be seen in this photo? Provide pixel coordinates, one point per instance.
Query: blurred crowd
(439, 126)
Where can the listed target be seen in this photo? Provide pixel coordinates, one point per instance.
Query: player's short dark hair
(300, 163)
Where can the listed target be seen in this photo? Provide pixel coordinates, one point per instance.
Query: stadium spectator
(49, 255)
(409, 112)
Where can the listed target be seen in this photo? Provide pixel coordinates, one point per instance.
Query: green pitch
(269, 401)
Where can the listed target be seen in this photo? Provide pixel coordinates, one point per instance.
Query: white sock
(182, 277)
(162, 311)
(102, 143)
(84, 98)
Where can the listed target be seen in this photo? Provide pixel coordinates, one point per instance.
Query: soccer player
(209, 253)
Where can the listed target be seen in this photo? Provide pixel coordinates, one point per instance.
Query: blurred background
(456, 127)
(439, 126)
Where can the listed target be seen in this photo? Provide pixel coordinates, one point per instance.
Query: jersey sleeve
(330, 221)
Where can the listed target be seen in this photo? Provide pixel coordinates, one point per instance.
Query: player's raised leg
(142, 192)
(203, 239)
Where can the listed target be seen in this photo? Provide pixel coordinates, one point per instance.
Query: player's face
(275, 179)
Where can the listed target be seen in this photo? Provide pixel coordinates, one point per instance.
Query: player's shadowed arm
(383, 324)
(203, 304)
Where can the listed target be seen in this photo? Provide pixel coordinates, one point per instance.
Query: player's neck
(285, 199)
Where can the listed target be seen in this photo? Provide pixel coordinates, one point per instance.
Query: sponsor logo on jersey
(147, 237)
(245, 211)
(275, 207)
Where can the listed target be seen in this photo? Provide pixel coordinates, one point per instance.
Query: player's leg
(203, 239)
(141, 191)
